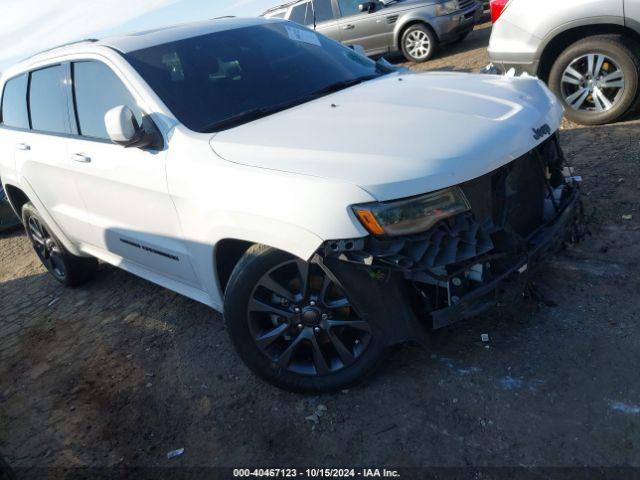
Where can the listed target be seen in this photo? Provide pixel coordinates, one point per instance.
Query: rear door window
(299, 13)
(14, 103)
(324, 11)
(97, 90)
(303, 13)
(48, 101)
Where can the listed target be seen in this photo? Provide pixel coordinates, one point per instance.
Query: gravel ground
(120, 372)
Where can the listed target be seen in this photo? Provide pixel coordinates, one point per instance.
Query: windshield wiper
(256, 113)
(240, 118)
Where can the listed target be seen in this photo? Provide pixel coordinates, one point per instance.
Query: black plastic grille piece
(451, 241)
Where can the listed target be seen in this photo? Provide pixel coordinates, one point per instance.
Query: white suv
(328, 205)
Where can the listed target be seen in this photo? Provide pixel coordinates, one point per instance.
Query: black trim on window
(71, 110)
(27, 100)
(72, 76)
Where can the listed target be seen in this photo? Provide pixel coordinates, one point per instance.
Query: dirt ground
(121, 371)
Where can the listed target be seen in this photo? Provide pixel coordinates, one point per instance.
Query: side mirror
(123, 129)
(367, 7)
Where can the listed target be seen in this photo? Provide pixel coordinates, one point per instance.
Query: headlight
(447, 8)
(414, 215)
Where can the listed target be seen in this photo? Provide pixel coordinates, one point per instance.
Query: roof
(150, 38)
(281, 7)
(158, 36)
(140, 40)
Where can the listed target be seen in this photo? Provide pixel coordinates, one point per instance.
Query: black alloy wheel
(293, 324)
(47, 248)
(301, 320)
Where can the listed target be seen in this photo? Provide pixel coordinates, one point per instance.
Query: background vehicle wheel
(597, 79)
(68, 269)
(294, 326)
(419, 43)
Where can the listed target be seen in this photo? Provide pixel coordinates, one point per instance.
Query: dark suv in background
(415, 27)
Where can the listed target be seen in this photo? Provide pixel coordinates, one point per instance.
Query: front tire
(68, 269)
(419, 43)
(294, 326)
(596, 79)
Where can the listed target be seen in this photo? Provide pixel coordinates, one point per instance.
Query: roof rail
(284, 5)
(223, 17)
(86, 40)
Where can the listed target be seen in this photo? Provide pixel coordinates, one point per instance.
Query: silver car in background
(414, 27)
(588, 52)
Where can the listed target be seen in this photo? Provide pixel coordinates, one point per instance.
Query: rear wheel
(597, 79)
(419, 43)
(294, 326)
(68, 269)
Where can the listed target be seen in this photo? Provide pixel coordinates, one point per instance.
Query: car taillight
(497, 7)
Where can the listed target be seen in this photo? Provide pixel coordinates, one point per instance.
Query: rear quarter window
(14, 103)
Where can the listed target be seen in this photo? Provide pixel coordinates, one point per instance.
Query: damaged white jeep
(329, 205)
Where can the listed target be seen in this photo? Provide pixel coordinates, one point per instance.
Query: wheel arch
(564, 39)
(228, 249)
(20, 195)
(227, 254)
(17, 198)
(400, 31)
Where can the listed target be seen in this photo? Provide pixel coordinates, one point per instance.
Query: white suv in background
(328, 205)
(588, 52)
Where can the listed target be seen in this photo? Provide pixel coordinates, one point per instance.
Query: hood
(402, 134)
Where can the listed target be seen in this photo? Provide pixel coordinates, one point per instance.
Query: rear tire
(583, 91)
(318, 349)
(68, 269)
(419, 43)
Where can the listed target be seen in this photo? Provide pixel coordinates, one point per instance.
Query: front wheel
(597, 79)
(419, 43)
(294, 326)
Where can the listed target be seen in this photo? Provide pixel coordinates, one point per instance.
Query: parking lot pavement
(120, 372)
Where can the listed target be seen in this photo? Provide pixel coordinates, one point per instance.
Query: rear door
(124, 189)
(326, 18)
(373, 31)
(14, 120)
(41, 154)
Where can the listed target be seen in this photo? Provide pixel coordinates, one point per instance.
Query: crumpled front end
(520, 214)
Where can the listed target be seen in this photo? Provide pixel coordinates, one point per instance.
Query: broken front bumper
(520, 214)
(550, 238)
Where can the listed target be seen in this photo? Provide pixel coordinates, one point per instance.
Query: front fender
(424, 15)
(252, 229)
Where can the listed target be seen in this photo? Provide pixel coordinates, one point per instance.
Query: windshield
(222, 79)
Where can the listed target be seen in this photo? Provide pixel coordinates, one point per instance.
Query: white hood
(402, 134)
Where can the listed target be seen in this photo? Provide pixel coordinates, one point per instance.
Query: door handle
(80, 157)
(23, 146)
(349, 27)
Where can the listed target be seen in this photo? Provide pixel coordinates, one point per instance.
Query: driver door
(372, 30)
(124, 189)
